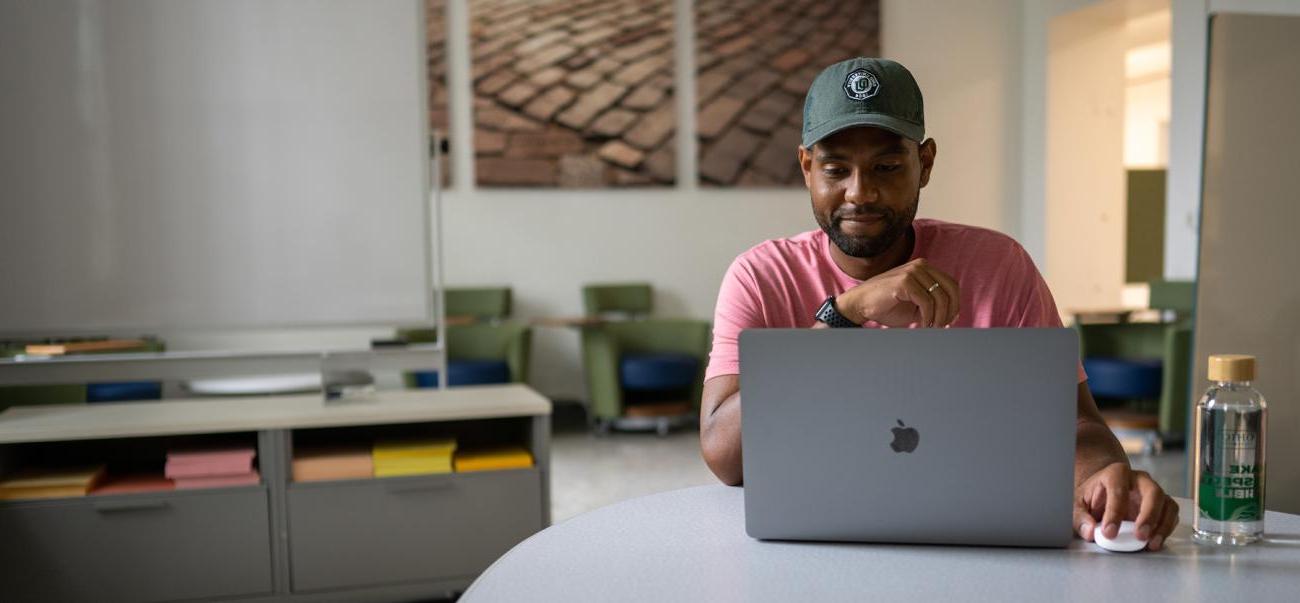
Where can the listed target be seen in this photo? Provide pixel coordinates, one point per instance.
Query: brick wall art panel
(573, 93)
(435, 19)
(755, 60)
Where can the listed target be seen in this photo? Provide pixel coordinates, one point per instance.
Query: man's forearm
(1095, 448)
(720, 440)
(1095, 445)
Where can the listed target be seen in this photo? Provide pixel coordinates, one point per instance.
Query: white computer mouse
(1126, 541)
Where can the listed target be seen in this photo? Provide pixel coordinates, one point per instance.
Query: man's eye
(888, 167)
(834, 171)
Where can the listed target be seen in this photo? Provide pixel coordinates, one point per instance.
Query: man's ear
(805, 164)
(927, 151)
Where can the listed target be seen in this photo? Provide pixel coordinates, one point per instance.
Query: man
(865, 158)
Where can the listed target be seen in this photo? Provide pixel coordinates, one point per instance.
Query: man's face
(865, 184)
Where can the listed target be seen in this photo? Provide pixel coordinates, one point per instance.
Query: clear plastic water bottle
(1231, 428)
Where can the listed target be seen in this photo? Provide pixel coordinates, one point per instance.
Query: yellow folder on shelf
(394, 458)
(50, 483)
(412, 467)
(404, 449)
(492, 459)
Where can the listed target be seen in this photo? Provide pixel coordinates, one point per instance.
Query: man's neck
(866, 268)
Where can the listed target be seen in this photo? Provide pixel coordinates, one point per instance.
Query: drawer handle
(125, 506)
(419, 486)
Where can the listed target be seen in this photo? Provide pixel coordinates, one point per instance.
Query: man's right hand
(904, 296)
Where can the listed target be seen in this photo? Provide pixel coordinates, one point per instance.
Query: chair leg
(600, 427)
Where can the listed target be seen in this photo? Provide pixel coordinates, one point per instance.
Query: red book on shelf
(133, 484)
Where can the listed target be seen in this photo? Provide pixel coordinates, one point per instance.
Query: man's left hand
(1117, 493)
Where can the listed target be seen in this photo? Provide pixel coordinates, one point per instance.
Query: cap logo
(861, 85)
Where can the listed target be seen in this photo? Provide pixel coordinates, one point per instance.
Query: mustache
(884, 214)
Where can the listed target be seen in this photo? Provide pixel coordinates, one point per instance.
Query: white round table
(690, 545)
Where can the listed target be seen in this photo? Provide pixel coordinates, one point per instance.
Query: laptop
(937, 436)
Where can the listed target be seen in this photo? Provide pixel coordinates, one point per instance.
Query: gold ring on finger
(932, 288)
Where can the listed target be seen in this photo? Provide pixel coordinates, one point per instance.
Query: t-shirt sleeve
(1037, 308)
(739, 308)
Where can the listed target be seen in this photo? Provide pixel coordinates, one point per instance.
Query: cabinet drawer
(362, 532)
(147, 547)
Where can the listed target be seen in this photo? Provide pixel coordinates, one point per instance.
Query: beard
(869, 246)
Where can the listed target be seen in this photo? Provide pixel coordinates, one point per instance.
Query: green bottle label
(1231, 496)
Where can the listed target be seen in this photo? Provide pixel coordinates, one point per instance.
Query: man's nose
(860, 189)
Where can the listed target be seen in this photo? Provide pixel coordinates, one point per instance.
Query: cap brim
(903, 128)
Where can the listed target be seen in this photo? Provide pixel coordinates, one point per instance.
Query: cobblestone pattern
(436, 67)
(755, 60)
(573, 93)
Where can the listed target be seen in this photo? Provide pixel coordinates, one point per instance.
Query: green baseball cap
(879, 93)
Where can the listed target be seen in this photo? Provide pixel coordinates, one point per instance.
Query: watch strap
(830, 315)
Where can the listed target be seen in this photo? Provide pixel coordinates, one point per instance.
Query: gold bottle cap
(1232, 367)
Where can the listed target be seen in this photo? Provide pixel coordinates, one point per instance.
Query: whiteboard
(174, 164)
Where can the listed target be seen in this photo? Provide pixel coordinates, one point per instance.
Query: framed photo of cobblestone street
(754, 61)
(435, 22)
(573, 93)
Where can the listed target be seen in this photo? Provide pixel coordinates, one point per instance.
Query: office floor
(589, 472)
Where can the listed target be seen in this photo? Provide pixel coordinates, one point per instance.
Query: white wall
(966, 58)
(547, 243)
(1085, 151)
(1032, 165)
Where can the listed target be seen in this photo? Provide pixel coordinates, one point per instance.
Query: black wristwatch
(832, 317)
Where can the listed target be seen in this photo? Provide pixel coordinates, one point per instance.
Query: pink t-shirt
(781, 283)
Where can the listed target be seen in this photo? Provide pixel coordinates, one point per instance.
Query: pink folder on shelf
(209, 463)
(134, 483)
(224, 481)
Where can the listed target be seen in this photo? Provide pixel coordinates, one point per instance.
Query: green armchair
(484, 304)
(632, 361)
(484, 347)
(1164, 348)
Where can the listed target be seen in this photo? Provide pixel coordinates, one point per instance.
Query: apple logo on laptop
(905, 438)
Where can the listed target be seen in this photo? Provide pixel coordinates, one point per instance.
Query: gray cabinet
(430, 527)
(388, 539)
(153, 547)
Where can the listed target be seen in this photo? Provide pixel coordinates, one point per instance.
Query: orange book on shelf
(332, 463)
(34, 483)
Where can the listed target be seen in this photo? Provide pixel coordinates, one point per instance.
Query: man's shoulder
(799, 249)
(967, 238)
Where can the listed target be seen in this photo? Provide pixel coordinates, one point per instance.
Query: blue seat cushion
(122, 391)
(1136, 379)
(467, 372)
(645, 372)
